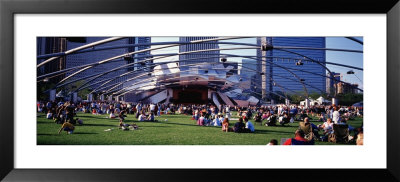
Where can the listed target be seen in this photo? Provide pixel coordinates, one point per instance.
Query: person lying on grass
(68, 127)
(125, 126)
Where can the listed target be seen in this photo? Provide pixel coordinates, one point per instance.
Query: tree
(349, 99)
(296, 98)
(41, 88)
(316, 95)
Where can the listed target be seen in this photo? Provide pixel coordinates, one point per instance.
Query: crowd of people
(210, 115)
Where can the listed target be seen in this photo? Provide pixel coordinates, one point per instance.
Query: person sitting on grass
(258, 118)
(249, 126)
(285, 119)
(112, 115)
(225, 125)
(79, 121)
(151, 117)
(321, 118)
(218, 120)
(122, 115)
(303, 115)
(314, 128)
(327, 127)
(142, 116)
(49, 115)
(201, 120)
(239, 126)
(273, 142)
(271, 121)
(344, 122)
(299, 139)
(68, 127)
(360, 137)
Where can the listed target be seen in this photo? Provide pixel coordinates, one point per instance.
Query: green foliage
(316, 95)
(82, 93)
(177, 130)
(296, 98)
(349, 99)
(41, 87)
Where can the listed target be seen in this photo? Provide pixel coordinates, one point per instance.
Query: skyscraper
(91, 57)
(203, 56)
(330, 82)
(48, 45)
(143, 40)
(288, 60)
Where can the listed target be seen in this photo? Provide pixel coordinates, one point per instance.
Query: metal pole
(264, 70)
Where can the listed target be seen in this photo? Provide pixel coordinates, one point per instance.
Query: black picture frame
(8, 8)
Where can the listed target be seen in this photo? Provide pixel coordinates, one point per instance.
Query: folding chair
(340, 133)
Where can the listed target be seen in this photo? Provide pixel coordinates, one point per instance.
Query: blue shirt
(250, 126)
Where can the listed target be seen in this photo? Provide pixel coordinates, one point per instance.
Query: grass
(177, 130)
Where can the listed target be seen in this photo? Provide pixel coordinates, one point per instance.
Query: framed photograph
(142, 90)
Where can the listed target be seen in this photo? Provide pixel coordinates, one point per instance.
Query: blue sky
(348, 58)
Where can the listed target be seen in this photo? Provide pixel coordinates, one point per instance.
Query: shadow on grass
(272, 131)
(75, 133)
(172, 123)
(44, 122)
(45, 134)
(89, 124)
(84, 133)
(94, 117)
(153, 126)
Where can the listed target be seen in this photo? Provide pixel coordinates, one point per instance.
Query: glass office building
(312, 73)
(202, 56)
(96, 56)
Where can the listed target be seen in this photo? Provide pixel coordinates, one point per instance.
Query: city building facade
(207, 56)
(96, 56)
(311, 73)
(48, 45)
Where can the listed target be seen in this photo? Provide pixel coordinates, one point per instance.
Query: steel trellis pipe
(80, 48)
(184, 43)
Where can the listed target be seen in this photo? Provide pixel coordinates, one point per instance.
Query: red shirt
(289, 141)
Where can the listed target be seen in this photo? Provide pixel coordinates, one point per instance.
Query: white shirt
(327, 126)
(141, 117)
(217, 122)
(152, 107)
(335, 116)
(250, 126)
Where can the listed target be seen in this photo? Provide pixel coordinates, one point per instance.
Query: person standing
(335, 115)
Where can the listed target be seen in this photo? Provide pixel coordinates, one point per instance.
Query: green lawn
(177, 130)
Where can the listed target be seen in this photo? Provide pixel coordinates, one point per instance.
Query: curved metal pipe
(355, 40)
(80, 48)
(184, 43)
